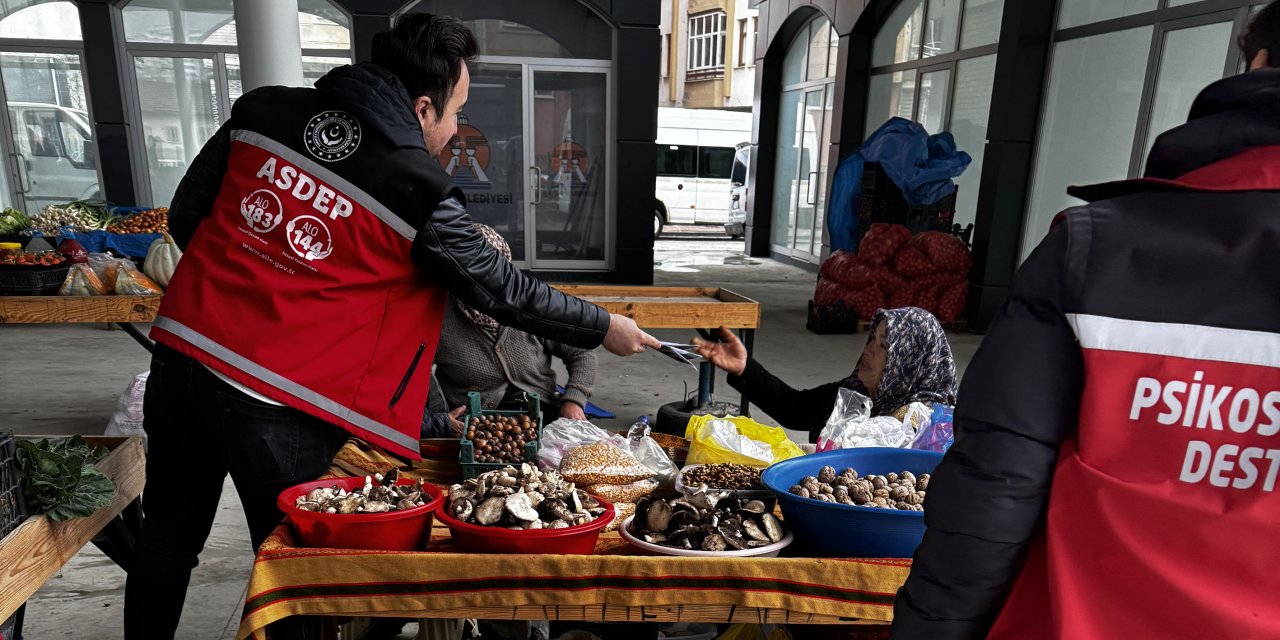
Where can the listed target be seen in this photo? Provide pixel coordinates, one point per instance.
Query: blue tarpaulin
(921, 165)
(133, 245)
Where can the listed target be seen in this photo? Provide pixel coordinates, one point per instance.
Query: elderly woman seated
(907, 359)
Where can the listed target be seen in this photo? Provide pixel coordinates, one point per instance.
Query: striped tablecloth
(613, 584)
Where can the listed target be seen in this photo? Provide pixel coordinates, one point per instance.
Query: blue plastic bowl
(833, 530)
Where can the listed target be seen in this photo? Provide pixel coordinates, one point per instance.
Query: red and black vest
(299, 284)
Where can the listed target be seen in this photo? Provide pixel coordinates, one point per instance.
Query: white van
(695, 149)
(56, 162)
(736, 224)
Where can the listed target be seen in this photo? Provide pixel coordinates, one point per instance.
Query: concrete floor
(66, 379)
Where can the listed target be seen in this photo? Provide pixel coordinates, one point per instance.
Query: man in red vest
(1118, 434)
(322, 241)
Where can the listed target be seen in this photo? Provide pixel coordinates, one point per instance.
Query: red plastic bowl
(579, 540)
(406, 530)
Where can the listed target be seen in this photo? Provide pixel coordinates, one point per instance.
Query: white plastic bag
(851, 425)
(650, 454)
(564, 435)
(127, 420)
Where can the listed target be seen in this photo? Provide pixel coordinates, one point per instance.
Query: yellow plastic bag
(737, 439)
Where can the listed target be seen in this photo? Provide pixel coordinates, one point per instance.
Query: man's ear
(1261, 61)
(423, 110)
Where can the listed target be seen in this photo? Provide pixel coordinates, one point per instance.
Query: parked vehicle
(56, 158)
(736, 223)
(695, 149)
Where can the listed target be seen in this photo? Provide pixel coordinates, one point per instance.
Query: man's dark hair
(1263, 33)
(426, 52)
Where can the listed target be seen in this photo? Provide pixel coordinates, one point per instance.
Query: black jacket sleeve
(805, 410)
(987, 499)
(450, 250)
(193, 200)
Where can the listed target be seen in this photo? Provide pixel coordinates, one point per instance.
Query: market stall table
(119, 310)
(616, 584)
(700, 308)
(38, 548)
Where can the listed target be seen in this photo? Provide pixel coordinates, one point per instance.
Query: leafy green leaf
(60, 479)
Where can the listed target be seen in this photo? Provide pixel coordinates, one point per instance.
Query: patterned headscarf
(477, 318)
(919, 366)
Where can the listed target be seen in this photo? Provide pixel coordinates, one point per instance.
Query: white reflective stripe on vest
(250, 368)
(334, 180)
(1197, 342)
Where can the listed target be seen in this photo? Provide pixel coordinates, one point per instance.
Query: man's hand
(572, 411)
(625, 338)
(729, 354)
(455, 424)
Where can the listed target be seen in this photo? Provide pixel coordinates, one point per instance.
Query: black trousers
(199, 429)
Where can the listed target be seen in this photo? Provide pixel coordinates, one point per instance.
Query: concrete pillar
(268, 43)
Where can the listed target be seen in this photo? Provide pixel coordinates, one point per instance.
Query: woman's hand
(572, 411)
(729, 354)
(455, 424)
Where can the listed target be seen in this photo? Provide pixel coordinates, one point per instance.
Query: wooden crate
(37, 549)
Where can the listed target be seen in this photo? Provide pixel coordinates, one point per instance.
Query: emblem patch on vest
(332, 135)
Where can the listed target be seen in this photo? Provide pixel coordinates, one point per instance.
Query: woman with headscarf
(907, 359)
(478, 354)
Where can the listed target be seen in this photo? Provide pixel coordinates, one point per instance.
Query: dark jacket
(799, 410)
(1070, 506)
(472, 359)
(447, 247)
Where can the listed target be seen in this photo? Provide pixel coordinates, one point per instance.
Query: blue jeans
(199, 429)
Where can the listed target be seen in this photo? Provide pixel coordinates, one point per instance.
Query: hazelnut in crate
(496, 438)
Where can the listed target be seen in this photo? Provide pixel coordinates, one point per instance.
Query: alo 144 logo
(309, 238)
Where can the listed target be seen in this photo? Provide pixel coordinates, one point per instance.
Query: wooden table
(119, 310)
(38, 548)
(703, 309)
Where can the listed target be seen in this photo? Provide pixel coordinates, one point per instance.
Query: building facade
(708, 54)
(114, 98)
(1042, 93)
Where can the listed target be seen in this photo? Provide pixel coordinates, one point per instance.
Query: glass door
(568, 151)
(52, 157)
(182, 104)
(805, 135)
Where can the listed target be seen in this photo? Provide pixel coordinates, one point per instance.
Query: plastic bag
(602, 463)
(938, 434)
(621, 511)
(852, 409)
(737, 439)
(916, 415)
(616, 493)
(82, 281)
(649, 453)
(131, 281)
(105, 266)
(850, 425)
(564, 435)
(127, 420)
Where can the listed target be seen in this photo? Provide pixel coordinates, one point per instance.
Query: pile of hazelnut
(501, 438)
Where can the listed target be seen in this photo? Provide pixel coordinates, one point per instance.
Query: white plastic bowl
(765, 495)
(767, 551)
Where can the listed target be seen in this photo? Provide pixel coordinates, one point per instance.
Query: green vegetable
(13, 222)
(61, 480)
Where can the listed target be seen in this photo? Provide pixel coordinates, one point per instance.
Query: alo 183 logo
(309, 238)
(261, 210)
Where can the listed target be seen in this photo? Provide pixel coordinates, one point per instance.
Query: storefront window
(50, 155)
(1130, 96)
(804, 140)
(186, 88)
(899, 39)
(320, 24)
(1073, 13)
(947, 96)
(542, 29)
(41, 21)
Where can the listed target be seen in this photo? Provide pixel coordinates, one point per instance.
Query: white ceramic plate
(768, 551)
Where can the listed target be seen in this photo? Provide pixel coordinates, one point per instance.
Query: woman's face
(871, 365)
